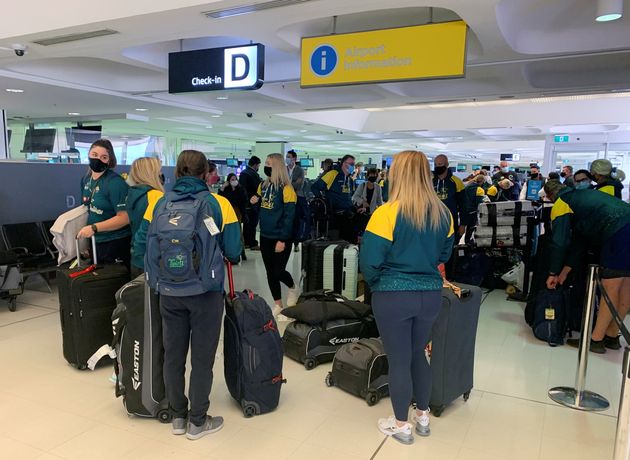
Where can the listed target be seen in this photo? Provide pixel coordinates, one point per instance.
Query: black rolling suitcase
(137, 326)
(86, 303)
(361, 368)
(313, 262)
(453, 347)
(313, 345)
(252, 350)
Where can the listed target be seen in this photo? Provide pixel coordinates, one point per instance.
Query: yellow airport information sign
(406, 53)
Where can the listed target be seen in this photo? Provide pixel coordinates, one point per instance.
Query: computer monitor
(83, 135)
(476, 167)
(307, 163)
(461, 168)
(39, 140)
(232, 162)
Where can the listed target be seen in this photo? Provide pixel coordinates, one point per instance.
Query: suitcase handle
(94, 258)
(230, 275)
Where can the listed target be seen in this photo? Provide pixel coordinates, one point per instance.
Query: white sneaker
(276, 310)
(294, 295)
(389, 427)
(422, 422)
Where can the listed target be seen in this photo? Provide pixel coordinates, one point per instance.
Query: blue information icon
(324, 60)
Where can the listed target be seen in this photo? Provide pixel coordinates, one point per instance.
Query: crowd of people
(407, 228)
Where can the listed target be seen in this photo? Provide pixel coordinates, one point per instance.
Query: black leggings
(275, 265)
(114, 251)
(405, 320)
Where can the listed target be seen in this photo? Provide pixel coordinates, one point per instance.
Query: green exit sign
(561, 138)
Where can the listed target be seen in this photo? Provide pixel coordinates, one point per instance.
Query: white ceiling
(519, 51)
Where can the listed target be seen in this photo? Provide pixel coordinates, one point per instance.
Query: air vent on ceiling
(245, 9)
(75, 37)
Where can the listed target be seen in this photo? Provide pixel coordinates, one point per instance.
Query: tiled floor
(50, 410)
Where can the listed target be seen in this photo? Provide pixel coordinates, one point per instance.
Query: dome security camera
(18, 49)
(249, 115)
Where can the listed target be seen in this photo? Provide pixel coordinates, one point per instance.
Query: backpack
(182, 257)
(550, 316)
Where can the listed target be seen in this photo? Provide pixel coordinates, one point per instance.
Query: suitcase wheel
(249, 410)
(164, 416)
(466, 395)
(372, 397)
(330, 381)
(13, 304)
(437, 410)
(310, 364)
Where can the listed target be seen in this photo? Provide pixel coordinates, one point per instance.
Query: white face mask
(505, 170)
(234, 183)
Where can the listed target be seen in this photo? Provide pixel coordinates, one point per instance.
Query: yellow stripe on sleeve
(329, 178)
(259, 191)
(383, 221)
(289, 195)
(559, 209)
(609, 189)
(153, 196)
(492, 191)
(227, 211)
(480, 192)
(452, 229)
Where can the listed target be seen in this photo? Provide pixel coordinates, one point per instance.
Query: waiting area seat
(30, 243)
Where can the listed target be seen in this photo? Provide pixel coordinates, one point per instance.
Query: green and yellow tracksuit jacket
(141, 201)
(277, 211)
(397, 256)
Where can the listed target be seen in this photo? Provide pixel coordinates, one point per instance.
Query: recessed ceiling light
(208, 126)
(303, 130)
(609, 10)
(73, 113)
(216, 116)
(14, 90)
(142, 110)
(222, 98)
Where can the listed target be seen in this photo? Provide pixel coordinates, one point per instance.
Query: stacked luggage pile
(503, 224)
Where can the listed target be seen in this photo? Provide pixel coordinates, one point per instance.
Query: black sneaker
(597, 346)
(612, 343)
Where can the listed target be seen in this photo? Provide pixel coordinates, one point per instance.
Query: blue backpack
(182, 257)
(550, 316)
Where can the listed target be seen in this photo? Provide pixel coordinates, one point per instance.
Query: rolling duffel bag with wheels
(313, 345)
(252, 350)
(361, 369)
(502, 213)
(453, 346)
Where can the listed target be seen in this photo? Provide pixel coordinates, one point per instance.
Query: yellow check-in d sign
(406, 53)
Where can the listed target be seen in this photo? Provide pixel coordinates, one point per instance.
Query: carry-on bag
(313, 262)
(550, 323)
(361, 368)
(502, 236)
(313, 345)
(471, 266)
(453, 346)
(341, 269)
(87, 299)
(505, 213)
(137, 326)
(252, 350)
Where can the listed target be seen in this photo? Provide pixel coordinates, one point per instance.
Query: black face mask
(162, 179)
(439, 170)
(268, 171)
(563, 174)
(97, 165)
(534, 176)
(372, 179)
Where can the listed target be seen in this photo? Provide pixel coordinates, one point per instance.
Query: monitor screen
(307, 163)
(461, 168)
(232, 162)
(83, 134)
(476, 167)
(39, 140)
(389, 160)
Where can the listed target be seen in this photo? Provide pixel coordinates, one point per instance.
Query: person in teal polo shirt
(105, 194)
(403, 244)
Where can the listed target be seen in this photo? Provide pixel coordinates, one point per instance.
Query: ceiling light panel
(252, 8)
(75, 37)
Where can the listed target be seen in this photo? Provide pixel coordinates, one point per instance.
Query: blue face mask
(350, 169)
(583, 185)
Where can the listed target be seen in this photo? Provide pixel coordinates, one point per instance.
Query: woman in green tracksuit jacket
(404, 242)
(142, 197)
(277, 214)
(589, 217)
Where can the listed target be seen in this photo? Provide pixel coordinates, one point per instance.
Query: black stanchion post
(622, 438)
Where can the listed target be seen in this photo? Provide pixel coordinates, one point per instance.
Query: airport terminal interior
(532, 83)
